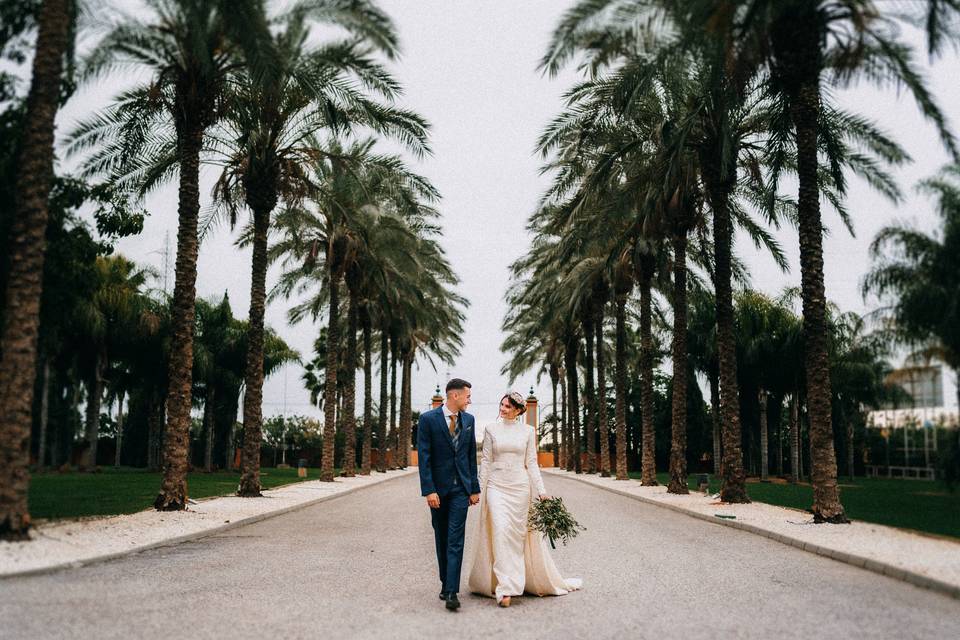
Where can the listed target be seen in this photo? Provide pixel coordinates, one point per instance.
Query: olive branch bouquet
(551, 518)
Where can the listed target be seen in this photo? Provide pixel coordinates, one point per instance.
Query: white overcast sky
(470, 69)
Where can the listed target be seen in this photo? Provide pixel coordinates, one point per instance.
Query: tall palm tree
(715, 129)
(802, 44)
(18, 340)
(355, 191)
(431, 323)
(268, 140)
(190, 49)
(534, 340)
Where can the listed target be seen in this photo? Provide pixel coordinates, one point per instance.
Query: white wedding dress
(508, 558)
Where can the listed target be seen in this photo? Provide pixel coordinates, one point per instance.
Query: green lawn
(911, 504)
(127, 490)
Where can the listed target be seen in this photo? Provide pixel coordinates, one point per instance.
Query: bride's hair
(516, 401)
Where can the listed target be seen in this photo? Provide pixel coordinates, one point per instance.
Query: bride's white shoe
(505, 602)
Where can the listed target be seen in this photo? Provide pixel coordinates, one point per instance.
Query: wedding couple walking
(509, 559)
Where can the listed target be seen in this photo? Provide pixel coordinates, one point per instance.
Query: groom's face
(460, 398)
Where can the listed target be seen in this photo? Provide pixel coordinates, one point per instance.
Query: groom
(447, 459)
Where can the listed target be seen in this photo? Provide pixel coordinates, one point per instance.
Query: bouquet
(551, 518)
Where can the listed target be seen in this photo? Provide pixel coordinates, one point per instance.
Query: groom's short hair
(456, 384)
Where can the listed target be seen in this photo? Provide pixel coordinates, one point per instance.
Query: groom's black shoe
(443, 595)
(452, 602)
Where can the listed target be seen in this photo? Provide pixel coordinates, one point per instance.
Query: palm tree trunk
(734, 485)
(393, 400)
(764, 438)
(823, 462)
(382, 411)
(210, 423)
(253, 378)
(154, 437)
(589, 405)
(403, 430)
(678, 441)
(602, 398)
(780, 437)
(18, 340)
(850, 452)
(564, 422)
(94, 399)
(116, 458)
(350, 391)
(648, 462)
(173, 486)
(556, 416)
(620, 381)
(330, 381)
(229, 449)
(717, 422)
(367, 392)
(570, 360)
(794, 440)
(44, 415)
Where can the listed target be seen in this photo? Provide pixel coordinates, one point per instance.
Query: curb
(199, 534)
(883, 568)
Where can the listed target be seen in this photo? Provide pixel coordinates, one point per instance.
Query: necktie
(453, 424)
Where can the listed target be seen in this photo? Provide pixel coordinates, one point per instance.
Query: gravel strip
(73, 543)
(925, 561)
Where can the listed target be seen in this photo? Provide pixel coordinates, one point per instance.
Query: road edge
(882, 568)
(189, 537)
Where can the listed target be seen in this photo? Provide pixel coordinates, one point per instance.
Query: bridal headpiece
(516, 397)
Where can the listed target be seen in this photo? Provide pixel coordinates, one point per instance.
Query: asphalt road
(363, 566)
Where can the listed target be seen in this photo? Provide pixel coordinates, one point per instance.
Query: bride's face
(507, 410)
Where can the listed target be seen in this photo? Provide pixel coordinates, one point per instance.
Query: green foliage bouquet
(551, 518)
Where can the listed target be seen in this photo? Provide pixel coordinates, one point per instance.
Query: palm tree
(355, 191)
(431, 324)
(110, 314)
(917, 273)
(18, 340)
(534, 341)
(799, 42)
(190, 49)
(860, 374)
(716, 129)
(217, 346)
(271, 124)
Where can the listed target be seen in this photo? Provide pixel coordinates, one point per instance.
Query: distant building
(924, 384)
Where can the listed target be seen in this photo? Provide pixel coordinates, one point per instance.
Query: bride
(508, 558)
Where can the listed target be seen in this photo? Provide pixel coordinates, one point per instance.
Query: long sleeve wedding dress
(508, 558)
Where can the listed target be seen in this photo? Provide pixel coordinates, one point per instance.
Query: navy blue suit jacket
(439, 463)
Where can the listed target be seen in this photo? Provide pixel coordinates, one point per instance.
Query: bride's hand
(544, 496)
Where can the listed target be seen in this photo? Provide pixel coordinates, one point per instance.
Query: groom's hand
(474, 499)
(433, 500)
